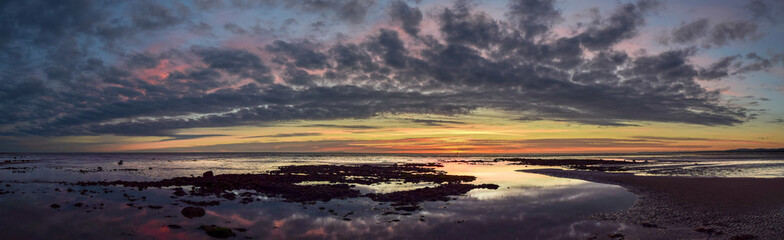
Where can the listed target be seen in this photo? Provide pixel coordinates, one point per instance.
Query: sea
(524, 206)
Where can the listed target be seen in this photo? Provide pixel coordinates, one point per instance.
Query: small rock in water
(55, 206)
(179, 192)
(120, 162)
(616, 236)
(743, 237)
(217, 232)
(174, 226)
(193, 212)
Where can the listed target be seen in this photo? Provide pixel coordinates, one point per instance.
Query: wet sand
(718, 208)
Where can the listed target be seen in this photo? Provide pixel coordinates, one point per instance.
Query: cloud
(342, 126)
(235, 61)
(301, 53)
(738, 65)
(671, 138)
(762, 10)
(725, 32)
(534, 17)
(283, 135)
(566, 143)
(716, 35)
(515, 64)
(691, 32)
(719, 69)
(620, 25)
(353, 11)
(409, 17)
(432, 122)
(190, 136)
(142, 60)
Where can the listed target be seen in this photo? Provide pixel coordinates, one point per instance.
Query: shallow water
(525, 206)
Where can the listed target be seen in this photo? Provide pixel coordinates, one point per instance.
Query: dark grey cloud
(720, 69)
(760, 9)
(671, 138)
(283, 135)
(234, 28)
(295, 76)
(622, 24)
(691, 31)
(150, 15)
(720, 34)
(409, 17)
(534, 17)
(725, 32)
(342, 126)
(142, 60)
(432, 122)
(460, 26)
(388, 45)
(352, 57)
(235, 61)
(758, 63)
(353, 11)
(551, 143)
(738, 65)
(301, 53)
(190, 136)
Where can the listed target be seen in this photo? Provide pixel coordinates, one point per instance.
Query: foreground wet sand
(720, 208)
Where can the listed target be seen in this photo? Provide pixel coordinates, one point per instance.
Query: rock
(201, 203)
(208, 174)
(217, 232)
(55, 206)
(174, 226)
(616, 236)
(179, 192)
(193, 212)
(247, 200)
(649, 225)
(407, 208)
(120, 162)
(743, 237)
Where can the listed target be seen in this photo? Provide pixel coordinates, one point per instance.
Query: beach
(734, 208)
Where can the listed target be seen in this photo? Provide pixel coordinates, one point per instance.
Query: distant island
(738, 150)
(756, 150)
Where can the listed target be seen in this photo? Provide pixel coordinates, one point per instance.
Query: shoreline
(720, 208)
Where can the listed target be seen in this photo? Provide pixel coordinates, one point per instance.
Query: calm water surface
(525, 206)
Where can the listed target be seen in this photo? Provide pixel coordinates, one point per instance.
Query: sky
(422, 76)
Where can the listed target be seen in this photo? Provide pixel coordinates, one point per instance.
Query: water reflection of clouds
(552, 213)
(525, 206)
